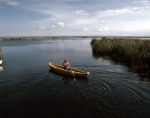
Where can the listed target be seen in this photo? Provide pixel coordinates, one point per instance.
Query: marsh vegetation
(134, 53)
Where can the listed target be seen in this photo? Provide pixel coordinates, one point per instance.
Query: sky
(74, 17)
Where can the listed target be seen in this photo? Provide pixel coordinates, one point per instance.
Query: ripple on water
(27, 88)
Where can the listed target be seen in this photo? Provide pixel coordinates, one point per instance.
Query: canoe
(1, 62)
(60, 69)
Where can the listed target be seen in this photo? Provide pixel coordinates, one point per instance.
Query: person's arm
(64, 64)
(69, 64)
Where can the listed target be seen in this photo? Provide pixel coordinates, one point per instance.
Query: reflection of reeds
(133, 52)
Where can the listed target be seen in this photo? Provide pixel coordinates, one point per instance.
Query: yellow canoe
(1, 61)
(60, 69)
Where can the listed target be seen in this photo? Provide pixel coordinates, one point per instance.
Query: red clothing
(66, 65)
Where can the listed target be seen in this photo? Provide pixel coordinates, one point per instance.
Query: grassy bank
(134, 53)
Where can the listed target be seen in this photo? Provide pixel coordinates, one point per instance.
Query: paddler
(66, 65)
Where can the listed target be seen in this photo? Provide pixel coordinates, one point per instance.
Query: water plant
(133, 52)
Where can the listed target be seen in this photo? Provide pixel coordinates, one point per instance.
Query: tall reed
(133, 52)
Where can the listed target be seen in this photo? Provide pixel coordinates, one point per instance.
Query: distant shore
(43, 37)
(55, 37)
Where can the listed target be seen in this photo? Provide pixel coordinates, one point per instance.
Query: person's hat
(65, 59)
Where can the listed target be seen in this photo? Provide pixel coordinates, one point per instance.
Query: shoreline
(55, 37)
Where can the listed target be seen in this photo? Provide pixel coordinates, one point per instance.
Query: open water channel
(29, 89)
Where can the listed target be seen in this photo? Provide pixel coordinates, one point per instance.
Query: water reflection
(1, 68)
(142, 77)
(27, 88)
(68, 79)
(112, 60)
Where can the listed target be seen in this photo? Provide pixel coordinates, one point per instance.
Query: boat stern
(87, 73)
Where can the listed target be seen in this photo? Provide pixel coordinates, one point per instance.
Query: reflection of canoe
(60, 69)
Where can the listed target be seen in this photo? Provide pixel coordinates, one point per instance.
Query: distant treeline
(42, 37)
(134, 53)
(18, 38)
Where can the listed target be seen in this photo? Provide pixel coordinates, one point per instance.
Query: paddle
(73, 74)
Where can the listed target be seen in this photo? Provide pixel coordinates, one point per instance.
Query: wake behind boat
(60, 69)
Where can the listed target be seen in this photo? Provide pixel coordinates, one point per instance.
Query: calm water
(29, 89)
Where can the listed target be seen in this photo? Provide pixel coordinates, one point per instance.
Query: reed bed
(132, 52)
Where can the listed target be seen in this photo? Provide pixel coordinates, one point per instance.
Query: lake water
(29, 89)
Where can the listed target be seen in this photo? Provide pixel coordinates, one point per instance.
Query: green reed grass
(133, 52)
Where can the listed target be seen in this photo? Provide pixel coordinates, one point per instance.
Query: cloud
(134, 26)
(103, 29)
(85, 29)
(5, 0)
(70, 0)
(13, 3)
(141, 1)
(61, 24)
(135, 8)
(81, 12)
(106, 29)
(58, 24)
(87, 18)
(42, 27)
(83, 21)
(116, 12)
(10, 2)
(100, 30)
(53, 26)
(49, 12)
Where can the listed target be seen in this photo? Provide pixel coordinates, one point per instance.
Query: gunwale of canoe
(1, 62)
(60, 69)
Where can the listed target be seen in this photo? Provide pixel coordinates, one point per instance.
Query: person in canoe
(66, 65)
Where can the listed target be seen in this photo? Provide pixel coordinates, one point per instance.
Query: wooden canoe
(1, 62)
(60, 69)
